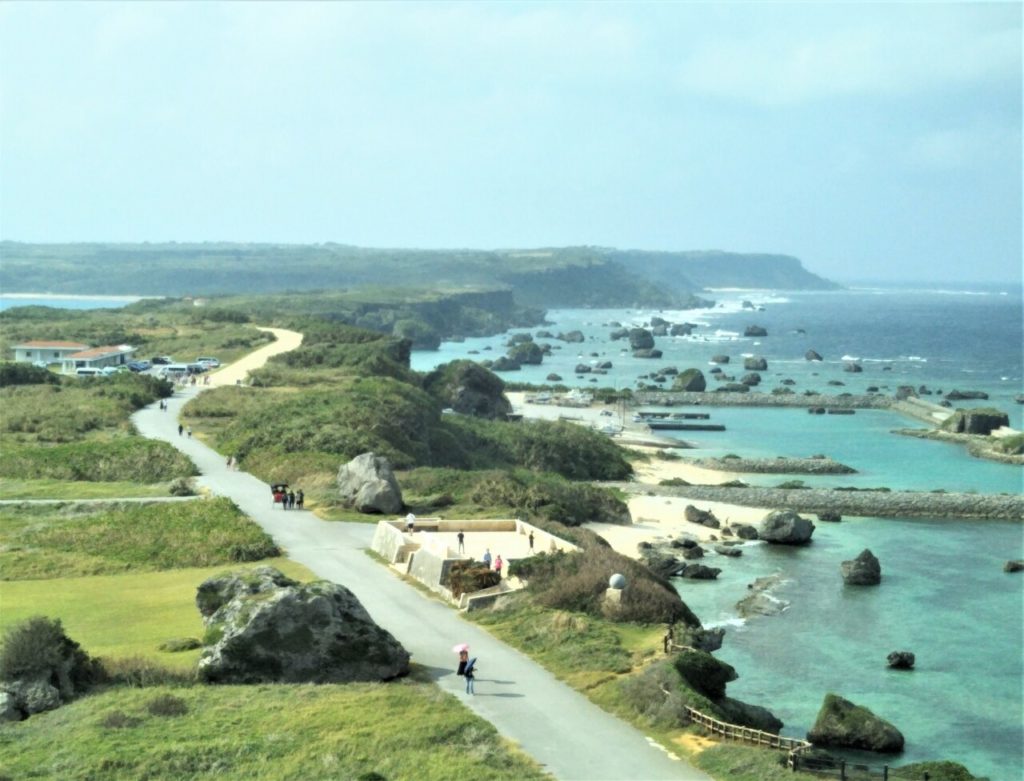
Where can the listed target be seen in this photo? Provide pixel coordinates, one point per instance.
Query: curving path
(570, 736)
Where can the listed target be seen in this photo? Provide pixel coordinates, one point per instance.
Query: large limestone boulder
(901, 660)
(755, 364)
(785, 527)
(755, 330)
(703, 517)
(264, 627)
(527, 353)
(640, 339)
(691, 380)
(862, 571)
(841, 724)
(367, 483)
(976, 421)
(813, 355)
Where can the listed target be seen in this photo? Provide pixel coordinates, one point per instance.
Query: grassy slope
(79, 489)
(401, 730)
(124, 615)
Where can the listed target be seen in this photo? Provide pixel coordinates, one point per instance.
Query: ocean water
(943, 596)
(66, 302)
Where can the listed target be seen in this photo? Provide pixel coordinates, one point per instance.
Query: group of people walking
(289, 499)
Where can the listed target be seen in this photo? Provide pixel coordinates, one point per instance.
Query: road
(570, 736)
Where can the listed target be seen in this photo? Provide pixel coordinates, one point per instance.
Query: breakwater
(775, 466)
(715, 399)
(879, 504)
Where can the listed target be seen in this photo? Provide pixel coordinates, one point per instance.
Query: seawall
(881, 504)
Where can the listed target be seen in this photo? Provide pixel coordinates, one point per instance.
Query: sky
(870, 140)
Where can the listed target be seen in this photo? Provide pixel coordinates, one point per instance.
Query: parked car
(162, 360)
(86, 371)
(139, 366)
(208, 362)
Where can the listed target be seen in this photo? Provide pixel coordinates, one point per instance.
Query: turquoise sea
(9, 301)
(944, 595)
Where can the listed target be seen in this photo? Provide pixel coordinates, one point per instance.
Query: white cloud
(920, 48)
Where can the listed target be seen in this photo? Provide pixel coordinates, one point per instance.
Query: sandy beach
(655, 517)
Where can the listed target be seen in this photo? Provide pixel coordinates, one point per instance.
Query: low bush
(677, 481)
(469, 576)
(39, 648)
(167, 705)
(578, 581)
(137, 672)
(12, 373)
(704, 672)
(179, 644)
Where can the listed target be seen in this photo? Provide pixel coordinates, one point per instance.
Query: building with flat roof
(98, 357)
(48, 351)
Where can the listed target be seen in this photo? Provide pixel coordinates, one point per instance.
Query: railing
(798, 749)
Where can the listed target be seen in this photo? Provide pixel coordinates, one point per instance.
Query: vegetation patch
(99, 460)
(48, 542)
(124, 619)
(404, 729)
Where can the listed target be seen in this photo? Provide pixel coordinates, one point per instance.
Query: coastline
(657, 513)
(77, 296)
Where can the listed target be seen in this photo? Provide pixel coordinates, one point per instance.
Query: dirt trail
(236, 372)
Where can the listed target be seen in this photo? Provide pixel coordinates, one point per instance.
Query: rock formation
(755, 364)
(862, 571)
(690, 380)
(703, 517)
(841, 724)
(755, 330)
(720, 359)
(813, 355)
(852, 367)
(640, 339)
(264, 627)
(367, 484)
(785, 527)
(901, 660)
(976, 421)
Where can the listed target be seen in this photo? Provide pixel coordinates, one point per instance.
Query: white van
(174, 370)
(87, 372)
(208, 362)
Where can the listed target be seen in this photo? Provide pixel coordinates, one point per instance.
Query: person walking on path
(469, 673)
(300, 498)
(410, 523)
(181, 428)
(291, 499)
(189, 432)
(530, 538)
(497, 565)
(487, 558)
(462, 541)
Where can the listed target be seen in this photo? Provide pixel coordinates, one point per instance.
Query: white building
(50, 352)
(98, 357)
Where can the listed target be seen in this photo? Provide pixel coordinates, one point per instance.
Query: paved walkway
(570, 736)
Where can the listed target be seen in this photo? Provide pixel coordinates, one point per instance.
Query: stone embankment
(977, 446)
(776, 466)
(714, 399)
(881, 504)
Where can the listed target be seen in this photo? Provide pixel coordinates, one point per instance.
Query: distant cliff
(548, 277)
(695, 270)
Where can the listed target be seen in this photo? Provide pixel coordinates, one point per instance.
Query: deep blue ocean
(943, 596)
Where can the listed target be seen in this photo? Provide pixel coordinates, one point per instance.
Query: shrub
(466, 577)
(181, 487)
(178, 644)
(25, 374)
(139, 673)
(656, 696)
(167, 705)
(38, 648)
(704, 672)
(674, 481)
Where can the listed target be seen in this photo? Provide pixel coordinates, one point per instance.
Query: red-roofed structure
(99, 357)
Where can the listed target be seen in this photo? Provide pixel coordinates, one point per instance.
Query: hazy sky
(869, 140)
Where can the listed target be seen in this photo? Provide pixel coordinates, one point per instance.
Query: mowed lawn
(125, 615)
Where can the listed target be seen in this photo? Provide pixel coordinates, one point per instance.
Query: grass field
(124, 615)
(43, 541)
(79, 489)
(399, 730)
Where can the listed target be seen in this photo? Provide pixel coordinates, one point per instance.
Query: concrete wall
(388, 541)
(431, 570)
